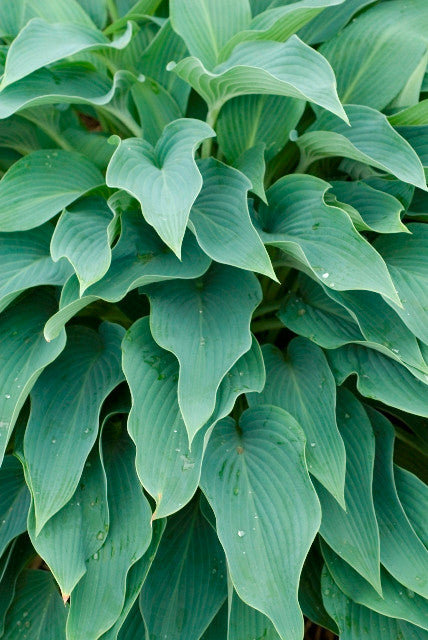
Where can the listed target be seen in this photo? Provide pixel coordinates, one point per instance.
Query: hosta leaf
(331, 20)
(265, 68)
(164, 179)
(355, 621)
(207, 26)
(301, 382)
(206, 324)
(134, 582)
(14, 501)
(186, 585)
(411, 632)
(26, 262)
(64, 83)
(77, 530)
(252, 164)
(396, 601)
(221, 221)
(167, 467)
(263, 119)
(52, 42)
(97, 10)
(83, 235)
(133, 628)
(354, 533)
(370, 139)
(246, 622)
(405, 258)
(14, 14)
(278, 23)
(413, 495)
(320, 239)
(82, 377)
(37, 609)
(57, 178)
(415, 115)
(375, 55)
(266, 509)
(310, 598)
(14, 561)
(401, 551)
(26, 353)
(139, 258)
(380, 377)
(128, 538)
(380, 211)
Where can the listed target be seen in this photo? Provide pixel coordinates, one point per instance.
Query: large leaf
(186, 585)
(128, 538)
(355, 621)
(380, 378)
(139, 258)
(354, 533)
(52, 43)
(14, 14)
(83, 235)
(301, 382)
(164, 179)
(167, 467)
(246, 622)
(57, 178)
(320, 239)
(331, 21)
(413, 495)
(405, 258)
(375, 55)
(88, 369)
(77, 530)
(396, 601)
(221, 221)
(37, 610)
(26, 262)
(14, 501)
(370, 139)
(265, 68)
(206, 324)
(24, 354)
(207, 26)
(266, 509)
(401, 551)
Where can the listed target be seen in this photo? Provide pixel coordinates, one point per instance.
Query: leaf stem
(266, 308)
(211, 120)
(266, 325)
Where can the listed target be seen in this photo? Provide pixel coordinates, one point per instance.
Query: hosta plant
(214, 319)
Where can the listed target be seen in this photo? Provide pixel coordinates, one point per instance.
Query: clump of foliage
(214, 319)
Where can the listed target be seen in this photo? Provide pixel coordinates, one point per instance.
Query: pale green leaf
(380, 378)
(165, 179)
(128, 538)
(14, 14)
(265, 68)
(206, 324)
(354, 533)
(415, 115)
(186, 585)
(167, 467)
(331, 21)
(396, 601)
(139, 258)
(26, 353)
(97, 10)
(252, 164)
(301, 382)
(52, 42)
(83, 235)
(88, 369)
(401, 551)
(207, 26)
(77, 530)
(407, 264)
(26, 262)
(14, 501)
(57, 179)
(37, 609)
(377, 52)
(267, 512)
(413, 495)
(319, 239)
(221, 221)
(370, 139)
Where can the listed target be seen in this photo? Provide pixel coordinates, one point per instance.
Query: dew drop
(313, 444)
(347, 416)
(95, 556)
(86, 431)
(100, 535)
(235, 491)
(325, 275)
(241, 534)
(53, 440)
(7, 396)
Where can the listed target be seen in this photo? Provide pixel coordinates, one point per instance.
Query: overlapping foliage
(214, 319)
